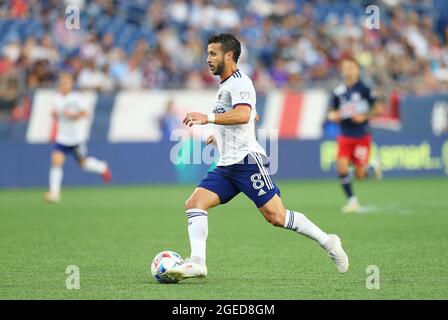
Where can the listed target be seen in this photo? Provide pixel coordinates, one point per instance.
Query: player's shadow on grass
(187, 282)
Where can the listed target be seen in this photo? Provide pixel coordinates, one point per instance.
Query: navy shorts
(79, 151)
(250, 177)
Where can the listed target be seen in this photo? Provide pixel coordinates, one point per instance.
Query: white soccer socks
(198, 232)
(55, 181)
(94, 165)
(297, 221)
(56, 174)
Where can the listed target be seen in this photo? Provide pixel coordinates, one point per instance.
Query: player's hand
(195, 118)
(334, 116)
(359, 118)
(70, 114)
(210, 140)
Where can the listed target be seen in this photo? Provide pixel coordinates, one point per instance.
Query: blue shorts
(248, 177)
(79, 151)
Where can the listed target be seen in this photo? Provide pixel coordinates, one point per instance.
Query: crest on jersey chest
(356, 96)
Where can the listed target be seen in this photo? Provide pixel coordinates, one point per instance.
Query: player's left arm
(240, 114)
(81, 111)
(75, 115)
(334, 114)
(376, 108)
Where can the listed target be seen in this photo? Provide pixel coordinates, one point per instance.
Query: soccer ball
(162, 262)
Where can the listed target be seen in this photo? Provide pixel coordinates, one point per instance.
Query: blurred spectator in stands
(93, 78)
(9, 87)
(262, 80)
(298, 43)
(75, 65)
(117, 60)
(414, 36)
(90, 47)
(178, 13)
(45, 50)
(279, 73)
(169, 121)
(132, 76)
(227, 17)
(194, 80)
(156, 15)
(29, 46)
(78, 3)
(18, 9)
(12, 50)
(350, 28)
(107, 42)
(41, 75)
(191, 55)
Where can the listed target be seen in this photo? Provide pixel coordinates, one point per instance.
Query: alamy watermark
(72, 21)
(373, 277)
(188, 149)
(73, 281)
(372, 21)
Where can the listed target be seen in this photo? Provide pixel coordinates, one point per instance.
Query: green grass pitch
(112, 234)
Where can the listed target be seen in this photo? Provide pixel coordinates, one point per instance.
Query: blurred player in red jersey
(352, 105)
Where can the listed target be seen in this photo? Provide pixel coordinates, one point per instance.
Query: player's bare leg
(276, 214)
(196, 208)
(361, 172)
(374, 169)
(55, 177)
(91, 164)
(345, 179)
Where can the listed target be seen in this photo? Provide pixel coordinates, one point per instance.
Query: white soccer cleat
(352, 206)
(337, 253)
(187, 269)
(51, 197)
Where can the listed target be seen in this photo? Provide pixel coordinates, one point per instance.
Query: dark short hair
(228, 43)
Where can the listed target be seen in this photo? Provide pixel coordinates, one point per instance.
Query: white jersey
(70, 132)
(235, 142)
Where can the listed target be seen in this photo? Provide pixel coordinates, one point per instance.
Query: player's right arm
(75, 115)
(80, 110)
(242, 96)
(334, 115)
(239, 115)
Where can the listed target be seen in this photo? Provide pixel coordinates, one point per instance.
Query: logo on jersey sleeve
(244, 95)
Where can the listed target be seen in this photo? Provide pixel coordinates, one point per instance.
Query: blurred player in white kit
(69, 111)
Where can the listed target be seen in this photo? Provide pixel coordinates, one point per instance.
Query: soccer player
(353, 104)
(242, 166)
(68, 111)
